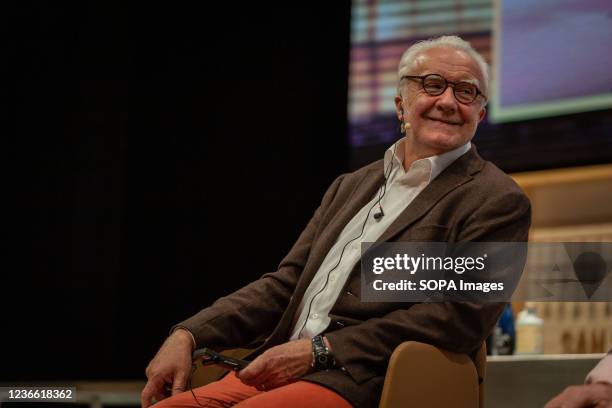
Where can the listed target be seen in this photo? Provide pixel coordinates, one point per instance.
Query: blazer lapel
(361, 194)
(456, 174)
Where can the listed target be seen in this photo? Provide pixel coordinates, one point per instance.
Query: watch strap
(322, 358)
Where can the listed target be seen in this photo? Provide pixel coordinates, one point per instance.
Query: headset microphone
(378, 216)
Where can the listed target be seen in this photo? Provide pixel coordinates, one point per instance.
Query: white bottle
(529, 331)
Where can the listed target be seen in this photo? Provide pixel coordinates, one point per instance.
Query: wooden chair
(421, 375)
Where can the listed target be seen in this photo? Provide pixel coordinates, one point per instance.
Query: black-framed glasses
(435, 85)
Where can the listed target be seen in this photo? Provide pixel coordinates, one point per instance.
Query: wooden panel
(573, 196)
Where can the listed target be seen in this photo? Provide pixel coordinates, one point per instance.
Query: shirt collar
(435, 164)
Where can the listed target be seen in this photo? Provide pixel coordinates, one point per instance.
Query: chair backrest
(423, 375)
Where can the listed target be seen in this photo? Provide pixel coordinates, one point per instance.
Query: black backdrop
(163, 156)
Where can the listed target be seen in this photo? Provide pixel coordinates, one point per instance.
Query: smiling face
(439, 123)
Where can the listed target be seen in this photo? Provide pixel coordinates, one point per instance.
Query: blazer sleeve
(364, 349)
(253, 311)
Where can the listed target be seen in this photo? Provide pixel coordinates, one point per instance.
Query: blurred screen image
(552, 57)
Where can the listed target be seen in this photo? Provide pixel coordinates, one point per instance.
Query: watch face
(322, 359)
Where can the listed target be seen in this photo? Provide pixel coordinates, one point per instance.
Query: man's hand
(584, 396)
(171, 365)
(602, 373)
(279, 365)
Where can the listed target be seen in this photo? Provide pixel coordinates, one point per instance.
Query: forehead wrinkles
(454, 65)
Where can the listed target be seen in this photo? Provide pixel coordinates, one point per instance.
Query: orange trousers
(231, 392)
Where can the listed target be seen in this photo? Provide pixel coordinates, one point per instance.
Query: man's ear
(399, 109)
(482, 113)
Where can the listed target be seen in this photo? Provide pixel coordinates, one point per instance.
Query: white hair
(446, 41)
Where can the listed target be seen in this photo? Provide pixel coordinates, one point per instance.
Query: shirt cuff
(188, 331)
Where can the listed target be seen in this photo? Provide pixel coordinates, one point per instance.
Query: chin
(444, 142)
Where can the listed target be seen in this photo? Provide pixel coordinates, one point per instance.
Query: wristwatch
(322, 358)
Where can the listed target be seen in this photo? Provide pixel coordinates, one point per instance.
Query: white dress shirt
(402, 188)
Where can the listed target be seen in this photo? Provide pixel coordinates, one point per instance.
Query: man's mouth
(448, 122)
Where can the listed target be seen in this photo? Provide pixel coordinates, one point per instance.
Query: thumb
(251, 371)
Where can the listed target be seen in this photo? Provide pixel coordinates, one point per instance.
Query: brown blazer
(471, 200)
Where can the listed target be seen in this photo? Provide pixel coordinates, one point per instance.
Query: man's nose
(446, 101)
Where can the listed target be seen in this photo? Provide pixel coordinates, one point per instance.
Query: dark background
(163, 156)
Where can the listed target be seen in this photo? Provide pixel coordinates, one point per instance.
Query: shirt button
(314, 316)
(332, 278)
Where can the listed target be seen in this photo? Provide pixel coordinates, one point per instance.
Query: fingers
(583, 396)
(179, 383)
(160, 395)
(254, 373)
(271, 381)
(264, 380)
(153, 388)
(278, 365)
(571, 397)
(171, 365)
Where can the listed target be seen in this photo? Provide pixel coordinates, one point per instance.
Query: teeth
(448, 123)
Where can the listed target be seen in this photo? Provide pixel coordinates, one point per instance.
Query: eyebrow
(469, 81)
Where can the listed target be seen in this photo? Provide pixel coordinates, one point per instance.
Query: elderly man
(322, 346)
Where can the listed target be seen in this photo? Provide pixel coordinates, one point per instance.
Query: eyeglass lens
(436, 85)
